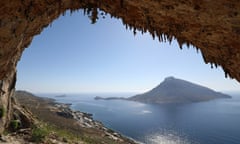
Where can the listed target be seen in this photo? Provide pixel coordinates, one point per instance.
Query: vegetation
(43, 132)
(39, 133)
(52, 128)
(15, 124)
(2, 112)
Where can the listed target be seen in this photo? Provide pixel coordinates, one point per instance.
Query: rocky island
(173, 90)
(110, 98)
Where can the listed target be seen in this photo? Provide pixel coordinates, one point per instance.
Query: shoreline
(86, 120)
(61, 115)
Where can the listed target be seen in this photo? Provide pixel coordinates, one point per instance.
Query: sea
(211, 122)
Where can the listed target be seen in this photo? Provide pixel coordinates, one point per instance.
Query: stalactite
(164, 37)
(188, 44)
(204, 58)
(180, 45)
(130, 27)
(89, 10)
(126, 26)
(84, 11)
(71, 11)
(226, 74)
(134, 31)
(144, 29)
(153, 35)
(161, 37)
(211, 65)
(157, 34)
(94, 15)
(169, 38)
(197, 49)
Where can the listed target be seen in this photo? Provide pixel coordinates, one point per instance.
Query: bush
(2, 112)
(15, 124)
(39, 134)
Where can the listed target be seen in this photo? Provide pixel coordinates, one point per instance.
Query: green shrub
(15, 124)
(39, 134)
(2, 112)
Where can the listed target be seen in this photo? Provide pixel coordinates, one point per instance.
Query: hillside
(173, 90)
(56, 123)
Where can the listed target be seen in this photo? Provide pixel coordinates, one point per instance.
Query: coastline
(79, 123)
(86, 120)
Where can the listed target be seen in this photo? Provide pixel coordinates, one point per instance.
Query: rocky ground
(57, 124)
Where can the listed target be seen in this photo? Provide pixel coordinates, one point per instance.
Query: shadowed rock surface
(173, 90)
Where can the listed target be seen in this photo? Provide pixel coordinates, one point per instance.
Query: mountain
(173, 90)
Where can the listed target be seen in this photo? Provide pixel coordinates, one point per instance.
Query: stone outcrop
(213, 27)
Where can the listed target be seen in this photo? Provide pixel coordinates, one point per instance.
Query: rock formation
(173, 90)
(211, 26)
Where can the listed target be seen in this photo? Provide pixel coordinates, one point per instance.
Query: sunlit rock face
(213, 27)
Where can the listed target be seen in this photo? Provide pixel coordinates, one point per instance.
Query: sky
(74, 56)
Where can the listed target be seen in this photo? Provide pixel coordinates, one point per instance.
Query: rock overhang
(212, 27)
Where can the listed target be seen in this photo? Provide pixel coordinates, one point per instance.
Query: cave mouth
(212, 27)
(192, 22)
(59, 48)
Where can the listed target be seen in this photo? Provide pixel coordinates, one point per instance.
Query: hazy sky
(75, 56)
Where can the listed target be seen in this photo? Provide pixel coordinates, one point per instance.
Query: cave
(212, 27)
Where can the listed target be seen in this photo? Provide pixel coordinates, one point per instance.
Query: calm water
(213, 122)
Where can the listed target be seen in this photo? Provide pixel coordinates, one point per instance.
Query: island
(174, 90)
(110, 98)
(63, 95)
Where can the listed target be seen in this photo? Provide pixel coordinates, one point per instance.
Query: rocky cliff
(213, 27)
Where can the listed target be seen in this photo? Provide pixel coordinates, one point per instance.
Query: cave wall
(213, 27)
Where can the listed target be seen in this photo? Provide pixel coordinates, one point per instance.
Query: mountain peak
(173, 90)
(169, 78)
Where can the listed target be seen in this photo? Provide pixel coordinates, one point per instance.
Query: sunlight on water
(212, 122)
(168, 137)
(145, 112)
(136, 105)
(91, 104)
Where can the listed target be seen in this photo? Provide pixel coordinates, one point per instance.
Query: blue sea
(211, 122)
